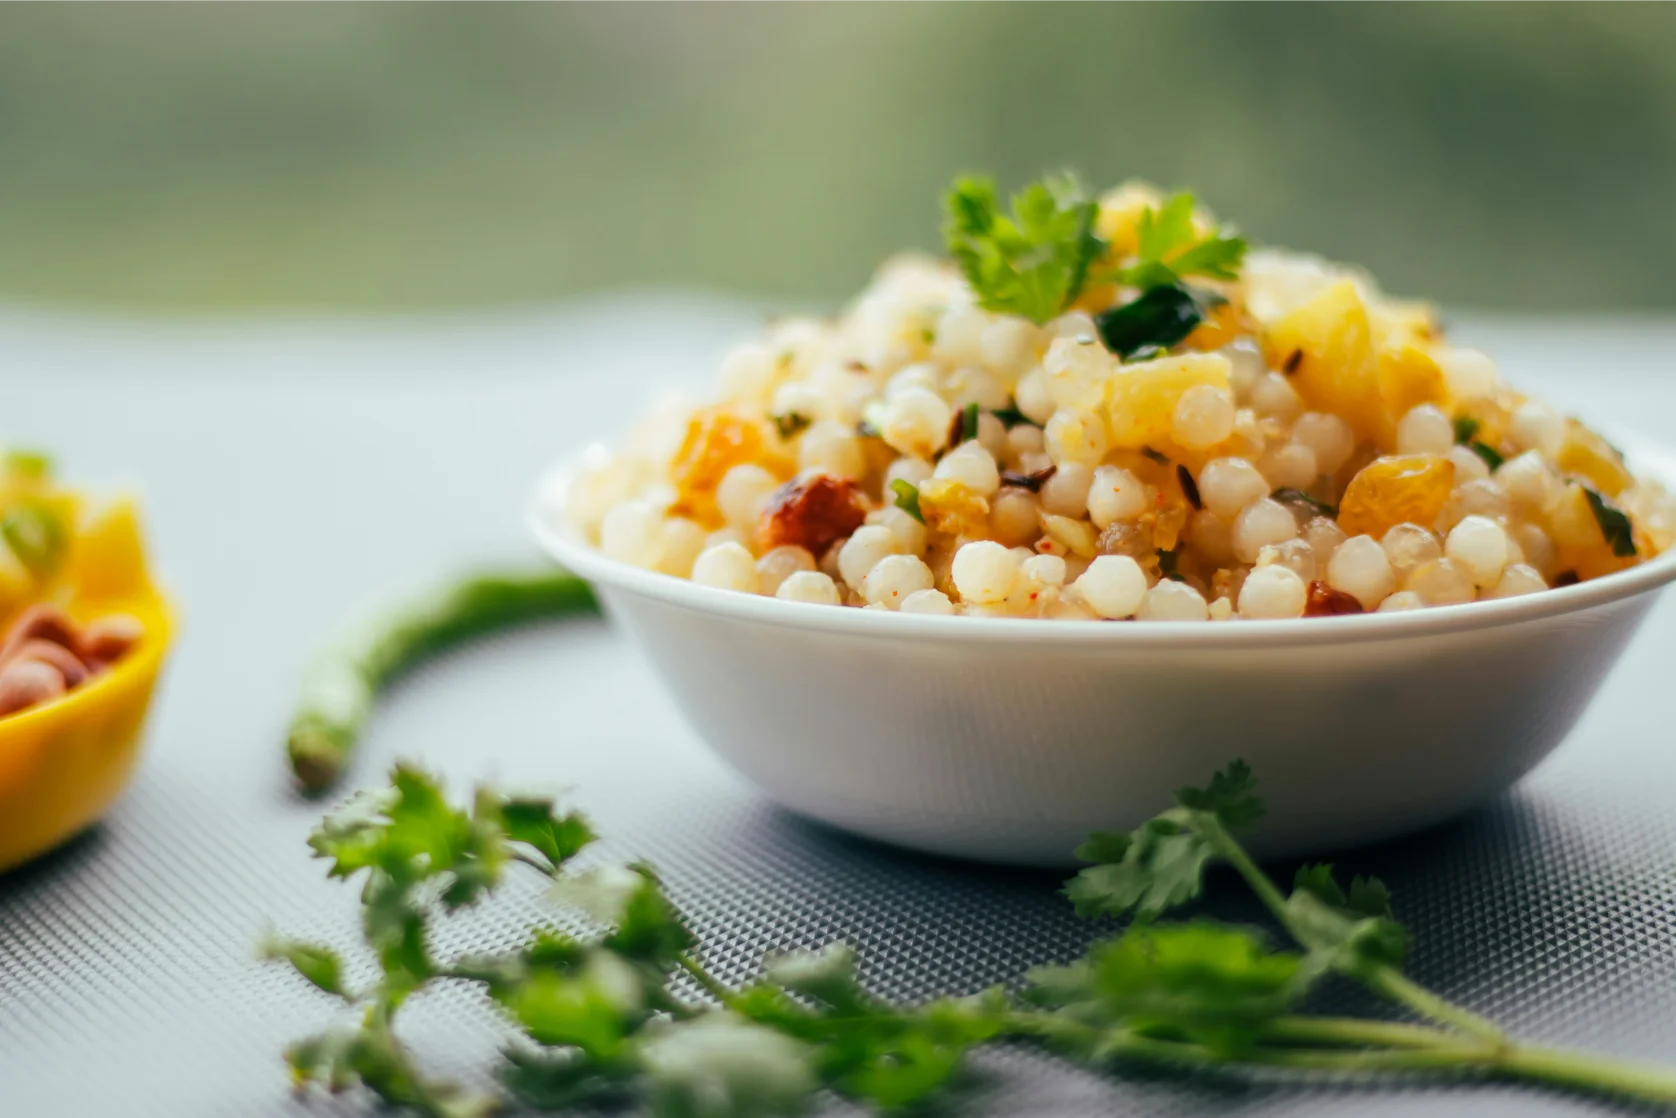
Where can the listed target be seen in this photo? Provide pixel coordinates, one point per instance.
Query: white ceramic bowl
(1009, 740)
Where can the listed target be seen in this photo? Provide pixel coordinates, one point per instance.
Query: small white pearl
(1113, 585)
(984, 572)
(808, 586)
(1273, 592)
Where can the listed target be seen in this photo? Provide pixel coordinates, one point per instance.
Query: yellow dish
(63, 762)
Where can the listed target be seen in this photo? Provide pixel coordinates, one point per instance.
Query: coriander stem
(1583, 1071)
(711, 984)
(1389, 982)
(1351, 1032)
(1208, 825)
(1383, 980)
(534, 861)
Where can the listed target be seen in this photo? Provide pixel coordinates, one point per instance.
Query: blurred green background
(204, 157)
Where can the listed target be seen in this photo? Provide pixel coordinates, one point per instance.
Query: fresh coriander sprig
(1032, 262)
(608, 1015)
(1169, 249)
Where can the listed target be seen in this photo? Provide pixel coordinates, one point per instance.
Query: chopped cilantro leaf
(1032, 263)
(1614, 524)
(1466, 429)
(1166, 251)
(969, 422)
(907, 498)
(1161, 316)
(1011, 417)
(1491, 456)
(790, 424)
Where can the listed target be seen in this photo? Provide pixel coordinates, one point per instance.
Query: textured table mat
(298, 471)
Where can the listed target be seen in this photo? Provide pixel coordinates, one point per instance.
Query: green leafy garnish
(1167, 250)
(1158, 318)
(1466, 431)
(969, 422)
(1011, 417)
(790, 424)
(28, 465)
(1614, 524)
(608, 1016)
(36, 537)
(907, 498)
(1491, 456)
(1033, 262)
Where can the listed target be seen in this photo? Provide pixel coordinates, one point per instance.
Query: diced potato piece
(1416, 319)
(1141, 398)
(107, 555)
(1326, 347)
(1588, 455)
(1408, 377)
(949, 506)
(1580, 545)
(716, 441)
(1401, 488)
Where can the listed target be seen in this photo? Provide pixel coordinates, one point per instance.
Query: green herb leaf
(36, 537)
(1033, 263)
(865, 1048)
(1231, 795)
(969, 422)
(1211, 983)
(1166, 251)
(1161, 866)
(721, 1066)
(1614, 524)
(593, 1006)
(1466, 429)
(1011, 417)
(320, 965)
(532, 821)
(907, 498)
(564, 1078)
(1161, 316)
(1492, 457)
(790, 423)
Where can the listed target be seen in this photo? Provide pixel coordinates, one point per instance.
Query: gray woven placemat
(294, 474)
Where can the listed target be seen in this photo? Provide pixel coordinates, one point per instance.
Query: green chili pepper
(345, 680)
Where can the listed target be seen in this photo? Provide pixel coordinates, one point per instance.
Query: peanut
(23, 683)
(108, 639)
(69, 665)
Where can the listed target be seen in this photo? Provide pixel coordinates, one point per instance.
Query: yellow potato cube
(1141, 398)
(1326, 346)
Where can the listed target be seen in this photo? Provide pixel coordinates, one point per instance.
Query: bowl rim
(559, 540)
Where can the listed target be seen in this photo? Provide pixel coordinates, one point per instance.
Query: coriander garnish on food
(615, 1004)
(1133, 343)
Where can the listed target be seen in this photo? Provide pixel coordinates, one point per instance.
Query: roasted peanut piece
(23, 683)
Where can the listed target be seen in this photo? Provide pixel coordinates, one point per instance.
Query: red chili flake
(1189, 487)
(856, 367)
(1324, 601)
(1566, 578)
(813, 512)
(1293, 360)
(1032, 481)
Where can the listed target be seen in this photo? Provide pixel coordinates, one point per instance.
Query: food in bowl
(83, 634)
(1111, 409)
